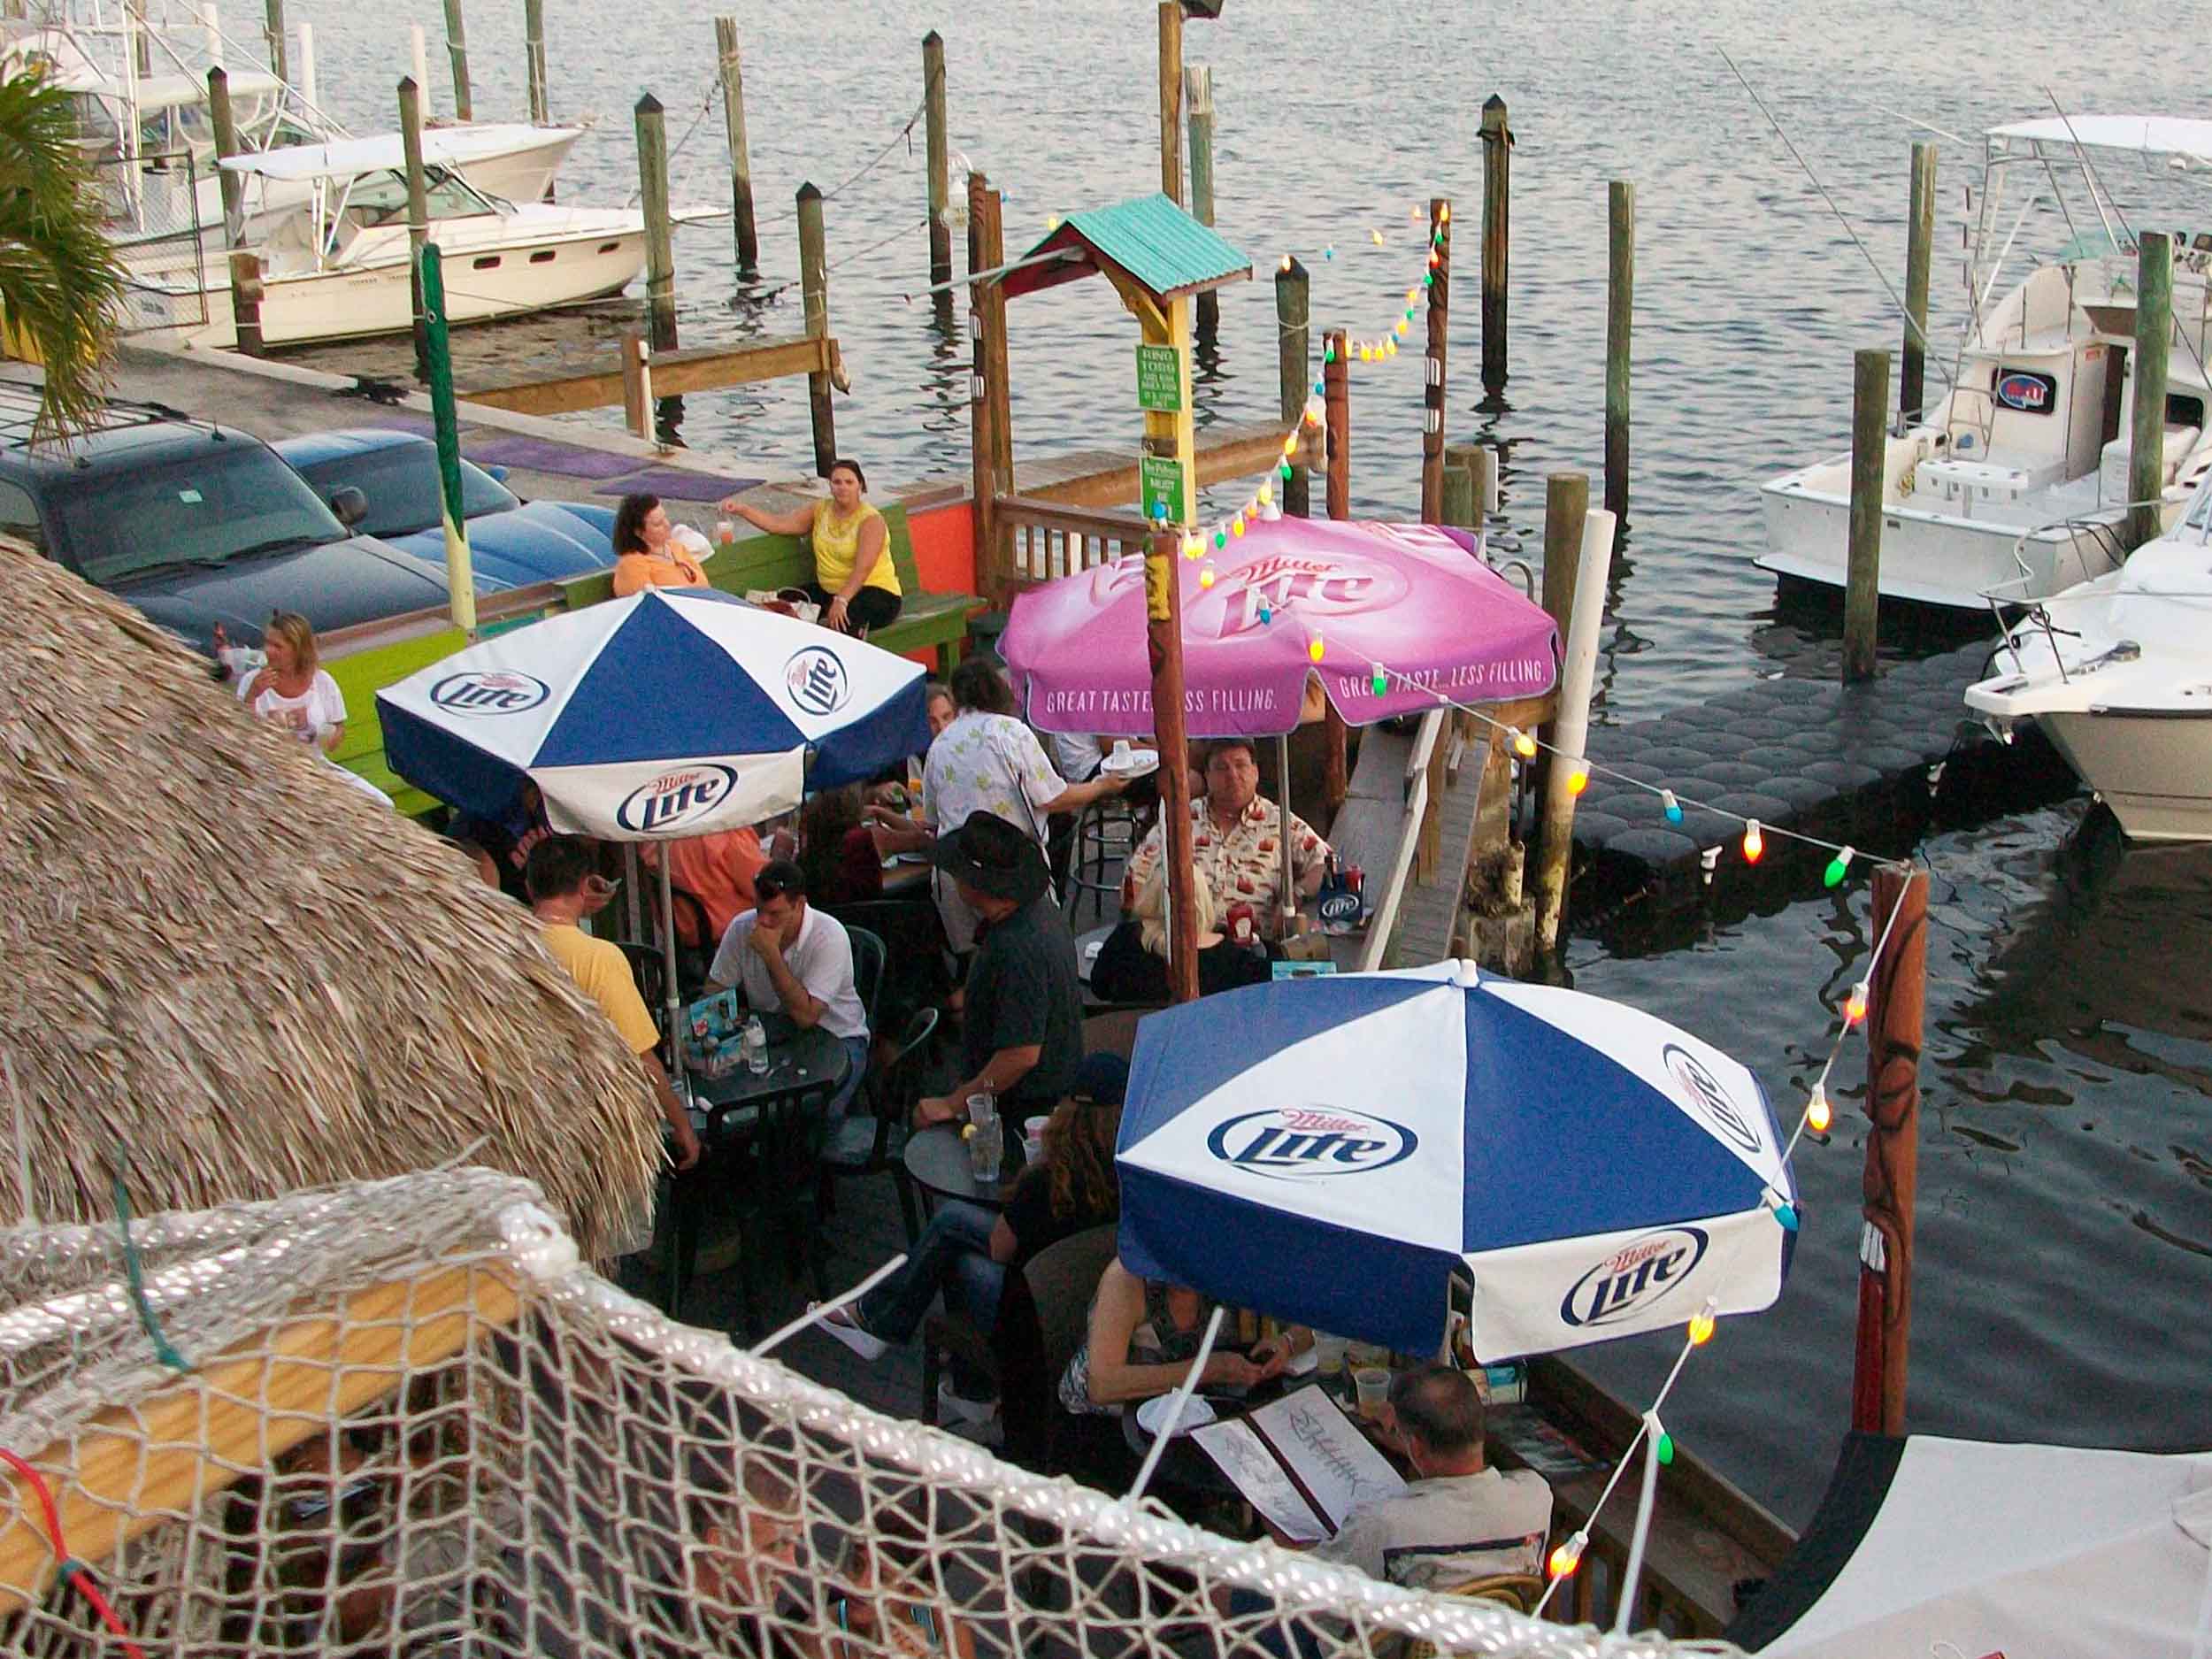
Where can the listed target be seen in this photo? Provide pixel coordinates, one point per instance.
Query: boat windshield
(234, 500)
(2199, 515)
(381, 198)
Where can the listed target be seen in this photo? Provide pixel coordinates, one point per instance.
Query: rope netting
(414, 1421)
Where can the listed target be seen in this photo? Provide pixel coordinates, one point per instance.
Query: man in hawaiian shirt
(1236, 836)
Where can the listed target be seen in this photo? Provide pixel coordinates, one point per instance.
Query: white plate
(1138, 763)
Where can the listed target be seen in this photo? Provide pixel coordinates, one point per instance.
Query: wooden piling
(733, 69)
(938, 151)
(1571, 730)
(309, 89)
(244, 267)
(651, 123)
(1620, 311)
(1480, 465)
(411, 97)
(1497, 191)
(814, 295)
(1863, 573)
(1919, 251)
(1566, 508)
(457, 49)
(272, 31)
(534, 62)
(637, 385)
(1439, 290)
(2153, 338)
(1172, 99)
(419, 60)
(1456, 499)
(1896, 1006)
(990, 417)
(1295, 367)
(1198, 95)
(1336, 420)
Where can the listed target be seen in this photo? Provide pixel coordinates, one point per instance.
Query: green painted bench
(927, 622)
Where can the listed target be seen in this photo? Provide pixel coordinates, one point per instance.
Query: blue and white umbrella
(677, 712)
(1332, 1150)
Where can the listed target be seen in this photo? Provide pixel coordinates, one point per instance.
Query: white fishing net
(413, 1423)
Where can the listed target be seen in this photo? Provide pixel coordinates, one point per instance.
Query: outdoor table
(938, 1163)
(902, 875)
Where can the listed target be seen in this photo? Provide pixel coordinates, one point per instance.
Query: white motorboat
(2118, 670)
(337, 266)
(155, 139)
(2019, 473)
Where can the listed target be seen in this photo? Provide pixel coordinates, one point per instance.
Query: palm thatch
(229, 975)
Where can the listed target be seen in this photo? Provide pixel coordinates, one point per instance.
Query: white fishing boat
(2018, 476)
(2118, 670)
(337, 266)
(155, 139)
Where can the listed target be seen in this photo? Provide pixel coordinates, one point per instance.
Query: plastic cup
(1372, 1383)
(724, 532)
(1328, 1356)
(1032, 1139)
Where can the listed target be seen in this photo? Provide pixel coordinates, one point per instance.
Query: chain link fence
(152, 203)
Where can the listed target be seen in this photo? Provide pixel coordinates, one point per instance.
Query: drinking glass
(1328, 1356)
(1373, 1384)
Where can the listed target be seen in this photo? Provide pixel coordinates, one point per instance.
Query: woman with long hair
(649, 551)
(837, 850)
(966, 1251)
(294, 693)
(855, 580)
(1132, 965)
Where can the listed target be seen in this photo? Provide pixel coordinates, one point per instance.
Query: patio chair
(1520, 1591)
(869, 957)
(867, 1141)
(914, 940)
(767, 1173)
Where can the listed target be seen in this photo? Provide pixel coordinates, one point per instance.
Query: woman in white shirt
(292, 692)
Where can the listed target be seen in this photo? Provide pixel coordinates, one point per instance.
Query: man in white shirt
(1457, 1520)
(787, 955)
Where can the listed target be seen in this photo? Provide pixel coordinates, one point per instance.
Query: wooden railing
(1044, 540)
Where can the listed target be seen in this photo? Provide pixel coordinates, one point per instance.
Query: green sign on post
(1159, 379)
(1161, 477)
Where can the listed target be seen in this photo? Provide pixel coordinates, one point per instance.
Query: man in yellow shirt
(562, 893)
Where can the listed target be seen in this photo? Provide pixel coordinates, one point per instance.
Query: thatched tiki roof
(228, 966)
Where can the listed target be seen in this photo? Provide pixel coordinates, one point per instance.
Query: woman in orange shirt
(648, 549)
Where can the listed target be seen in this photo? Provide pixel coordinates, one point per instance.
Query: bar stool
(1106, 832)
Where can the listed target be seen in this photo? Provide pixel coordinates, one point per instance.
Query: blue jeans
(953, 1255)
(856, 1052)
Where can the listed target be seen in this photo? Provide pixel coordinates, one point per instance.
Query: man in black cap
(1023, 1035)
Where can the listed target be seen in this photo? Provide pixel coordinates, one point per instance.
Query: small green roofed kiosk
(1158, 257)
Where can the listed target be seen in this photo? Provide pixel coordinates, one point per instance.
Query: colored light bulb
(1408, 309)
(1855, 1005)
(1568, 1556)
(1818, 1115)
(1290, 444)
(1443, 212)
(1833, 876)
(1192, 547)
(1523, 745)
(1378, 236)
(1266, 616)
(1328, 353)
(1664, 1448)
(1367, 354)
(1702, 1326)
(1428, 280)
(1381, 680)
(1267, 493)
(1401, 329)
(1673, 807)
(1320, 388)
(1052, 222)
(1412, 294)
(1578, 776)
(1236, 525)
(1288, 471)
(1206, 577)
(1328, 253)
(1221, 538)
(1755, 844)
(1286, 264)
(1787, 1216)
(1313, 647)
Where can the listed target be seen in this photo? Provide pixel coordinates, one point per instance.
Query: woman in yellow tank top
(855, 582)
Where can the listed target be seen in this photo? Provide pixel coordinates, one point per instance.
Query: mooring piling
(1480, 465)
(637, 385)
(534, 62)
(1566, 508)
(732, 71)
(1571, 729)
(1620, 315)
(1198, 97)
(272, 32)
(1172, 99)
(1440, 292)
(651, 123)
(990, 414)
(814, 294)
(2153, 338)
(1497, 191)
(1455, 498)
(410, 99)
(938, 149)
(1862, 570)
(1919, 250)
(457, 50)
(418, 59)
(244, 265)
(1294, 368)
(308, 90)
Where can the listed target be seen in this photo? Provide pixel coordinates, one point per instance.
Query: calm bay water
(2066, 1175)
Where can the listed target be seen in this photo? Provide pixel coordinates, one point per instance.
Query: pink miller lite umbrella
(1412, 600)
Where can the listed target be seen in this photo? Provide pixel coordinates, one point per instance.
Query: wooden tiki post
(1497, 238)
(733, 71)
(1293, 358)
(990, 418)
(1336, 421)
(938, 151)
(1440, 291)
(1896, 1001)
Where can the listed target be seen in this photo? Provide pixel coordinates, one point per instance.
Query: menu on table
(1302, 1462)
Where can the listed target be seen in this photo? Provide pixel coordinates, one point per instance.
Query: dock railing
(1042, 539)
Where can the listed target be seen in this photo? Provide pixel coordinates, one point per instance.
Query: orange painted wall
(944, 547)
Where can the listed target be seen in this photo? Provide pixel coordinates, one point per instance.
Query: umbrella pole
(1163, 641)
(675, 999)
(629, 891)
(1282, 834)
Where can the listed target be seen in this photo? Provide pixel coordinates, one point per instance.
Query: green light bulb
(1838, 866)
(1666, 1448)
(1221, 538)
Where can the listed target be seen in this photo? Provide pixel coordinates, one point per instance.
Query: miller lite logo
(816, 680)
(1341, 908)
(1633, 1277)
(1302, 1142)
(1702, 1094)
(2027, 391)
(675, 799)
(483, 693)
(1317, 585)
